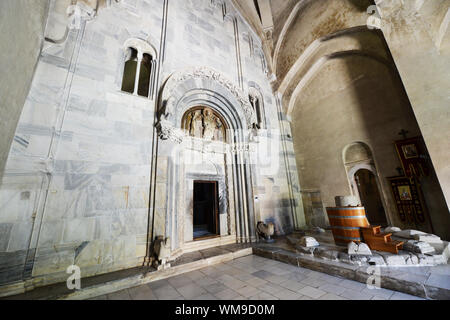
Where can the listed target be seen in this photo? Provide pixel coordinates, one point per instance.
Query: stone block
(354, 248)
(308, 242)
(392, 230)
(408, 234)
(418, 247)
(395, 260)
(345, 201)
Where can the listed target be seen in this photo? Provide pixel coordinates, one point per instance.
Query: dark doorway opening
(370, 197)
(206, 212)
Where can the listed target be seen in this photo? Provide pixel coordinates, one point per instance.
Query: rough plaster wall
(316, 19)
(77, 180)
(22, 24)
(353, 99)
(280, 11)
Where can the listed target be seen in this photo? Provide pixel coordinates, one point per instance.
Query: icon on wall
(413, 157)
(410, 151)
(405, 193)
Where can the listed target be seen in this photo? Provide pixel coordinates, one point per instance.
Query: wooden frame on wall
(413, 157)
(409, 202)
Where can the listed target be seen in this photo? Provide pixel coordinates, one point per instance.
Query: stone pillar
(423, 63)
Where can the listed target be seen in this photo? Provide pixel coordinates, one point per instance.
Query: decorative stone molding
(167, 131)
(79, 12)
(205, 74)
(240, 147)
(141, 46)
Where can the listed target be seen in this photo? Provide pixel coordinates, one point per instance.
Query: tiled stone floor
(255, 278)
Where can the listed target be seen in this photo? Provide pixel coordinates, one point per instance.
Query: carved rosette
(209, 74)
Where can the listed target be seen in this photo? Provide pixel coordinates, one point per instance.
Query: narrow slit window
(258, 10)
(144, 75)
(130, 69)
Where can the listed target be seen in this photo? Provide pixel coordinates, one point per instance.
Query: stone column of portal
(249, 194)
(138, 72)
(240, 208)
(244, 196)
(237, 197)
(422, 64)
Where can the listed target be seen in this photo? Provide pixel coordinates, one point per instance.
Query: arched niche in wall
(204, 123)
(257, 102)
(139, 68)
(364, 181)
(183, 150)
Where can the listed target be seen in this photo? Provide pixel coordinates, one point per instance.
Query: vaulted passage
(206, 218)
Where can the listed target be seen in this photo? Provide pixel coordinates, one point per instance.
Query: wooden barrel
(346, 222)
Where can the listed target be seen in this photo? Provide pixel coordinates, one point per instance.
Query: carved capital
(166, 131)
(78, 13)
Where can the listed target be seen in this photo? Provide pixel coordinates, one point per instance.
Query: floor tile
(314, 282)
(270, 288)
(287, 295)
(142, 293)
(331, 296)
(263, 296)
(207, 296)
(355, 295)
(119, 295)
(104, 297)
(166, 293)
(263, 274)
(293, 285)
(311, 292)
(247, 291)
(179, 281)
(404, 296)
(255, 278)
(331, 288)
(215, 288)
(354, 285)
(382, 293)
(227, 294)
(191, 291)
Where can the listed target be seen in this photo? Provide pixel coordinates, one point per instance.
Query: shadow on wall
(383, 115)
(355, 96)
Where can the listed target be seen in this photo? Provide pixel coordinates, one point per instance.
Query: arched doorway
(204, 131)
(370, 197)
(364, 181)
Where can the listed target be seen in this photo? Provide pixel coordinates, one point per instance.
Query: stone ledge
(410, 280)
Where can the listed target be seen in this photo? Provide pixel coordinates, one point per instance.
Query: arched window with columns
(139, 68)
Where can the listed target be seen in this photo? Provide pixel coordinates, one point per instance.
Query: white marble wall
(77, 184)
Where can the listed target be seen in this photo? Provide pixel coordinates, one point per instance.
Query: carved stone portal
(204, 123)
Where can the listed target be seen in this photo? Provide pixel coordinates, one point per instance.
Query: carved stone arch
(140, 45)
(358, 156)
(143, 47)
(204, 88)
(193, 85)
